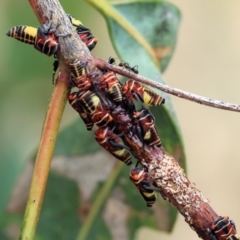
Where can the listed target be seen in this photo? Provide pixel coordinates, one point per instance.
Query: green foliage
(68, 212)
(59, 218)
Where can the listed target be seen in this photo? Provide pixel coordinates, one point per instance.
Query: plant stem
(43, 160)
(71, 47)
(168, 89)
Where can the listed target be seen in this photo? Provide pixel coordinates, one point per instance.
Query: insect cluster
(103, 112)
(99, 99)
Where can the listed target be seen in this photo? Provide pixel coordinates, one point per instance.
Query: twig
(43, 160)
(171, 90)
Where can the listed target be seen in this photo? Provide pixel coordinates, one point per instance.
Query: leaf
(137, 35)
(59, 217)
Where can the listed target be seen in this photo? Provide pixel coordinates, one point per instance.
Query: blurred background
(206, 62)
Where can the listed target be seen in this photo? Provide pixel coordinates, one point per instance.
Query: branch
(173, 183)
(165, 88)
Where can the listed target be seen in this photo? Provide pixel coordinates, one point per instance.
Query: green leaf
(59, 217)
(144, 31)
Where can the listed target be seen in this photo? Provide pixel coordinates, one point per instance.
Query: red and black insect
(84, 33)
(46, 39)
(144, 127)
(87, 37)
(113, 87)
(223, 229)
(90, 104)
(134, 90)
(112, 143)
(43, 38)
(128, 67)
(77, 68)
(79, 74)
(140, 177)
(73, 100)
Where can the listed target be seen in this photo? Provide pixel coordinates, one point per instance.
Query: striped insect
(79, 74)
(73, 100)
(112, 143)
(128, 67)
(144, 127)
(223, 229)
(24, 34)
(134, 90)
(112, 85)
(77, 68)
(90, 104)
(140, 177)
(46, 39)
(84, 33)
(43, 38)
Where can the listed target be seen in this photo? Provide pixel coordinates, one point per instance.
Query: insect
(77, 68)
(46, 39)
(144, 127)
(111, 60)
(111, 142)
(80, 78)
(128, 67)
(24, 34)
(134, 90)
(87, 37)
(88, 100)
(140, 178)
(43, 38)
(90, 104)
(72, 98)
(84, 33)
(223, 229)
(111, 83)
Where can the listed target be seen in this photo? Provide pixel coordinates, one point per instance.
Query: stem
(168, 89)
(43, 161)
(71, 47)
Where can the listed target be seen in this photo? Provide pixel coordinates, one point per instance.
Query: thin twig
(43, 160)
(171, 90)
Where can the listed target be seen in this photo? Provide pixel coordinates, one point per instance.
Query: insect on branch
(171, 90)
